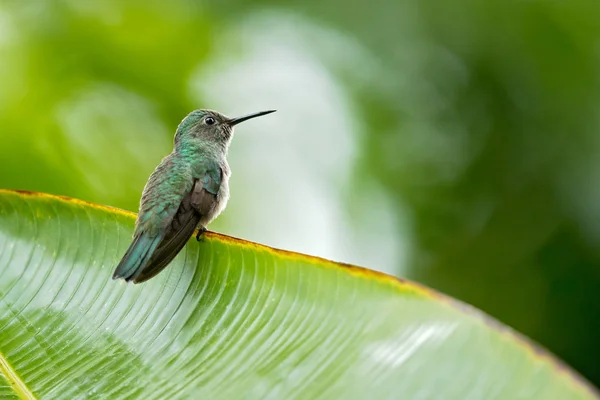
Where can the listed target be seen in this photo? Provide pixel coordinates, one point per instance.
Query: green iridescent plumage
(186, 191)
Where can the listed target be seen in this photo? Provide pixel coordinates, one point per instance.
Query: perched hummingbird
(186, 191)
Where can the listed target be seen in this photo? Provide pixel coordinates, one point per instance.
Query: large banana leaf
(231, 319)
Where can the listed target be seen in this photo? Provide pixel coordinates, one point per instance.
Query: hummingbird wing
(176, 236)
(195, 204)
(161, 198)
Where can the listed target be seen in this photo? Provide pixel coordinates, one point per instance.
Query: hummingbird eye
(209, 121)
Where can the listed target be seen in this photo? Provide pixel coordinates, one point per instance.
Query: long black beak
(235, 121)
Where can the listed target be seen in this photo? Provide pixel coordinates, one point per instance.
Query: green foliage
(478, 119)
(232, 319)
(495, 142)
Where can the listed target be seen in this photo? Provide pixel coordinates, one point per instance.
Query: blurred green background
(454, 143)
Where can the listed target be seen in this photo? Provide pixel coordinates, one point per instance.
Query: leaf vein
(14, 380)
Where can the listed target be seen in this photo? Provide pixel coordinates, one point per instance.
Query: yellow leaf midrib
(14, 380)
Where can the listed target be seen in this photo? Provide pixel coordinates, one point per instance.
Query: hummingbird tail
(136, 257)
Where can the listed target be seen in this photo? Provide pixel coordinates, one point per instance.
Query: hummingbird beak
(235, 121)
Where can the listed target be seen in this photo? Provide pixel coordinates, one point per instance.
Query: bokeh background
(456, 143)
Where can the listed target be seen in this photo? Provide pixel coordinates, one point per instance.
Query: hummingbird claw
(200, 232)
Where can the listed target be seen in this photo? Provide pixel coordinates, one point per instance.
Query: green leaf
(231, 319)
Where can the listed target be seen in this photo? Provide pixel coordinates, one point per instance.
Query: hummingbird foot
(200, 232)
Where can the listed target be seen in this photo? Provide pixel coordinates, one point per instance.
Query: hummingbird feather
(138, 254)
(182, 227)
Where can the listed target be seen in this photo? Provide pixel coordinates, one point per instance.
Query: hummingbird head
(208, 126)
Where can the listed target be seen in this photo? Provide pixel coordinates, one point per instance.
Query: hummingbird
(188, 189)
